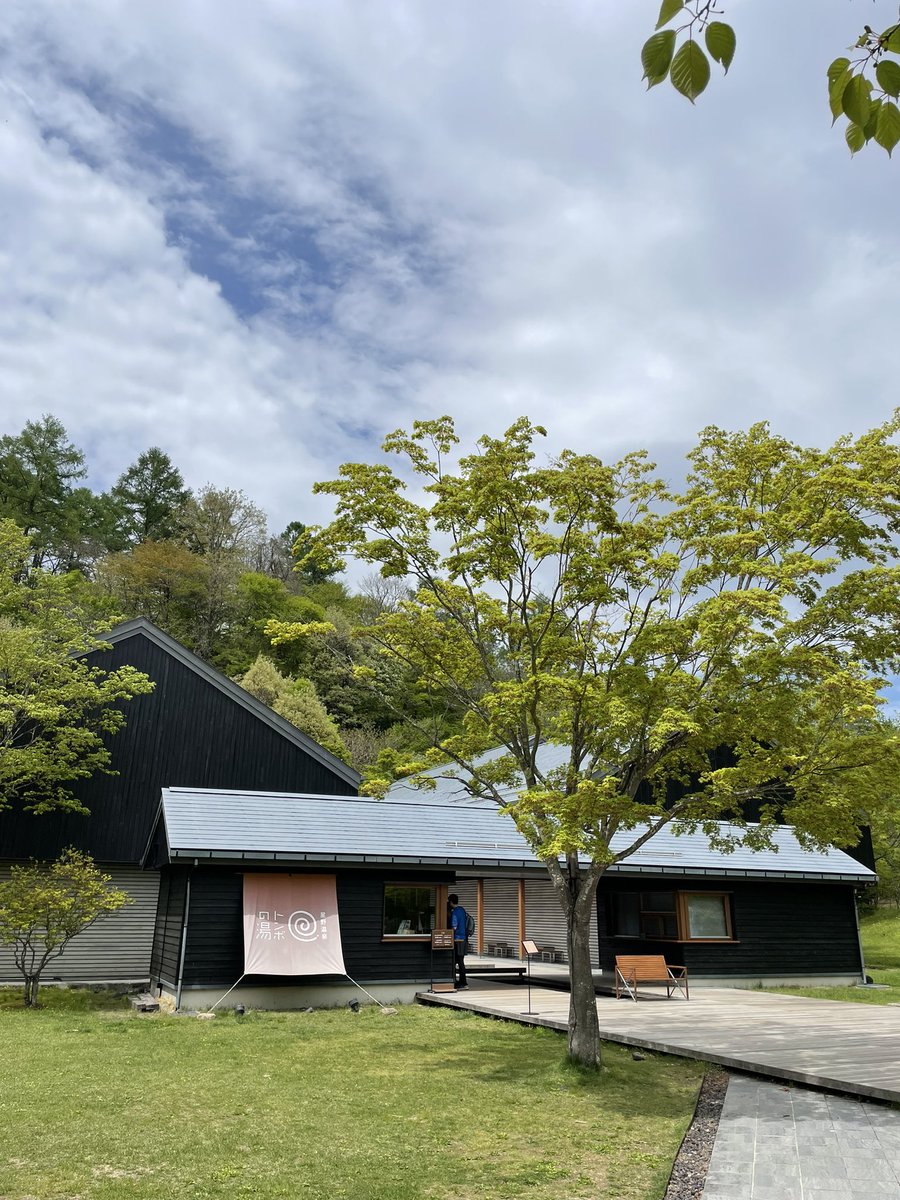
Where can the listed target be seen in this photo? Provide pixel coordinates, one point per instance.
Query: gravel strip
(692, 1161)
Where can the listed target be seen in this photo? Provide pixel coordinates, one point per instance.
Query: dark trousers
(459, 962)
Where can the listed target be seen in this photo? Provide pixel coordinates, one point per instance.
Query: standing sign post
(441, 939)
(530, 948)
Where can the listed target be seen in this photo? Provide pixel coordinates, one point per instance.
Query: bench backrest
(642, 966)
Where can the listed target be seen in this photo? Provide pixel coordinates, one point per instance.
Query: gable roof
(140, 625)
(285, 827)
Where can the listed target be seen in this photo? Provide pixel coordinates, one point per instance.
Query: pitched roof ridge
(234, 691)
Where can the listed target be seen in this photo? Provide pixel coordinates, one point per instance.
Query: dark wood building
(741, 919)
(211, 785)
(195, 729)
(198, 948)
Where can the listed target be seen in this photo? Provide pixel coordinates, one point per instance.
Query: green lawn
(881, 947)
(881, 939)
(102, 1104)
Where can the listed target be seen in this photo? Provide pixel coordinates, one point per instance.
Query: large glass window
(707, 915)
(672, 916)
(408, 910)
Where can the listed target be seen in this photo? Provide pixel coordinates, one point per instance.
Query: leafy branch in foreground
(863, 88)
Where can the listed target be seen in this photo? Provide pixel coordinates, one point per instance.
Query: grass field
(102, 1104)
(881, 947)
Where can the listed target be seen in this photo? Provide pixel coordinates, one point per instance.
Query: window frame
(682, 918)
(440, 905)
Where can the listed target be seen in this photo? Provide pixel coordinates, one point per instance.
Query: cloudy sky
(262, 234)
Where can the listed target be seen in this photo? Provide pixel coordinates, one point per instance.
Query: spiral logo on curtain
(303, 926)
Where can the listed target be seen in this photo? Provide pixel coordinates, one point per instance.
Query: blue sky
(262, 235)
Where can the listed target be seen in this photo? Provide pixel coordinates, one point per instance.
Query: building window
(706, 916)
(650, 915)
(408, 910)
(672, 916)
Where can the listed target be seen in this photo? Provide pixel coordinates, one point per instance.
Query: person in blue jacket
(458, 925)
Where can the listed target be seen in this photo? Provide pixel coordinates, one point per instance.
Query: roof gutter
(286, 857)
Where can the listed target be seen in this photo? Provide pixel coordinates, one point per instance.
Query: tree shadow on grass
(524, 1057)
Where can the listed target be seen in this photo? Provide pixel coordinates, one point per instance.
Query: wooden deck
(853, 1048)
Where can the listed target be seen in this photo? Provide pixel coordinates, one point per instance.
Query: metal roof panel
(256, 824)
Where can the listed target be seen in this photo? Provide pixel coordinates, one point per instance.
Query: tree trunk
(31, 991)
(578, 896)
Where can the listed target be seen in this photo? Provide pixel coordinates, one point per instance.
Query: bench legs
(628, 985)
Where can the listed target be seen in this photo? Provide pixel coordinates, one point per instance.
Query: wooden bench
(635, 969)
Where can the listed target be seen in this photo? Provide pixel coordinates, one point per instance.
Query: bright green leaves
(856, 138)
(688, 66)
(862, 89)
(656, 56)
(887, 132)
(856, 100)
(888, 75)
(721, 43)
(690, 71)
(592, 607)
(56, 708)
(839, 74)
(43, 907)
(667, 10)
(869, 116)
(868, 104)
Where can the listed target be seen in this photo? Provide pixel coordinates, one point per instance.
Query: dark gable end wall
(215, 941)
(780, 928)
(186, 733)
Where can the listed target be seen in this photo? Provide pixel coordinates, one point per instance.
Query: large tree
(756, 607)
(221, 522)
(163, 581)
(863, 85)
(40, 470)
(54, 706)
(150, 496)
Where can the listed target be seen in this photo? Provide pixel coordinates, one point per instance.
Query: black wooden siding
(166, 953)
(214, 954)
(186, 733)
(780, 928)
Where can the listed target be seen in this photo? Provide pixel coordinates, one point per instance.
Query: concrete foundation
(334, 995)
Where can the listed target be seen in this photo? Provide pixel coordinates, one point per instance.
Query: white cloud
(472, 209)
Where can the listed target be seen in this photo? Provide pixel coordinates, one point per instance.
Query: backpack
(470, 925)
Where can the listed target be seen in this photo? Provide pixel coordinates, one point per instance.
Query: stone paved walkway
(780, 1142)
